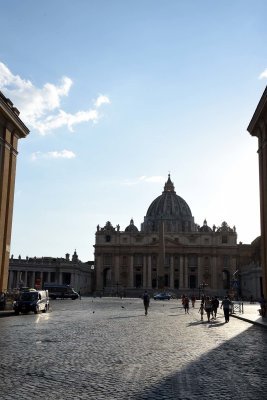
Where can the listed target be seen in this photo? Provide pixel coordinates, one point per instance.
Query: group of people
(208, 305)
(211, 305)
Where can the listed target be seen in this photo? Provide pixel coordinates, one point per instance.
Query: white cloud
(144, 178)
(153, 179)
(263, 74)
(40, 107)
(62, 118)
(53, 154)
(102, 100)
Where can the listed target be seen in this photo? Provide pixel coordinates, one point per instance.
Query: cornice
(11, 114)
(261, 108)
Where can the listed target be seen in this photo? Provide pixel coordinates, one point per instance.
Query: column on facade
(199, 272)
(181, 272)
(214, 273)
(171, 272)
(131, 280)
(149, 272)
(116, 275)
(99, 272)
(144, 272)
(186, 272)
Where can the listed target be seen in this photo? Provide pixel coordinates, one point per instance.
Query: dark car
(162, 296)
(61, 291)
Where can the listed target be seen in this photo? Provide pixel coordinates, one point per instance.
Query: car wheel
(36, 310)
(44, 310)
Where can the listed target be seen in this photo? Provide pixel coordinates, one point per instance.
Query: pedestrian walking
(208, 307)
(193, 300)
(226, 305)
(215, 304)
(186, 305)
(146, 300)
(201, 310)
(263, 306)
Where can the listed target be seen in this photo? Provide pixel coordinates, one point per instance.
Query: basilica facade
(169, 252)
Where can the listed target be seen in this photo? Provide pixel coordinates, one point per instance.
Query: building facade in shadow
(258, 127)
(11, 130)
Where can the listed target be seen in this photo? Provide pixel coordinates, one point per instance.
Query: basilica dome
(170, 209)
(131, 227)
(205, 227)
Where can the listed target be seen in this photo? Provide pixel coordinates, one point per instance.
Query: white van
(32, 300)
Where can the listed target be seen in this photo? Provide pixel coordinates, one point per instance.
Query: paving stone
(119, 353)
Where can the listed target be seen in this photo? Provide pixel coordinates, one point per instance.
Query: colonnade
(28, 278)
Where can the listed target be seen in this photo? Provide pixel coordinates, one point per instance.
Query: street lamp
(202, 288)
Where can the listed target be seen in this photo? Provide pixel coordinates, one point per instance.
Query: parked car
(162, 296)
(31, 300)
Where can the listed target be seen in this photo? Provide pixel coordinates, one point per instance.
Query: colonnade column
(41, 277)
(10, 280)
(171, 273)
(26, 278)
(33, 279)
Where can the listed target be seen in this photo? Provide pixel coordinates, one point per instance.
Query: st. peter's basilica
(170, 252)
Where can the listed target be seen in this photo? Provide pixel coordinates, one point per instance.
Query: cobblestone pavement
(108, 349)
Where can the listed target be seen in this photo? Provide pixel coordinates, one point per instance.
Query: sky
(118, 94)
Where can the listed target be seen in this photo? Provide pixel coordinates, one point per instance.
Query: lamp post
(235, 284)
(202, 288)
